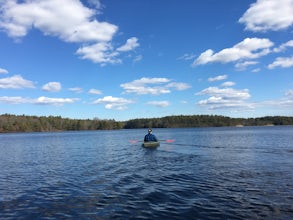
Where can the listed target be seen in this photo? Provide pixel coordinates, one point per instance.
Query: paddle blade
(133, 141)
(170, 141)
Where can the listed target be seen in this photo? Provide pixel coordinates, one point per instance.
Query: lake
(206, 173)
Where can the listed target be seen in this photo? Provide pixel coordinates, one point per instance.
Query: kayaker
(150, 137)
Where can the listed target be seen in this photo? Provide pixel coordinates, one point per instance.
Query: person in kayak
(150, 137)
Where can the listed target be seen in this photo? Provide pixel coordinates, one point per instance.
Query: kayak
(151, 144)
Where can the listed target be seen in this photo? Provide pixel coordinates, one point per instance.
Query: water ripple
(80, 176)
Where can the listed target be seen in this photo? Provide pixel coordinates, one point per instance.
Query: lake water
(206, 173)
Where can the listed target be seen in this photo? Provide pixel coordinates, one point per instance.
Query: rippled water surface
(206, 173)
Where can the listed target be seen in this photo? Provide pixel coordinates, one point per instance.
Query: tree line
(181, 121)
(23, 123)
(14, 123)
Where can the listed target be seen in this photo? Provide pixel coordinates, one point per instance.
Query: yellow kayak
(151, 144)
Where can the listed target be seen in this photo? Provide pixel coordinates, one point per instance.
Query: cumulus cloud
(54, 101)
(225, 98)
(249, 48)
(187, 56)
(153, 86)
(3, 71)
(284, 62)
(228, 93)
(104, 52)
(137, 58)
(14, 100)
(179, 86)
(228, 84)
(131, 44)
(265, 15)
(114, 102)
(140, 86)
(73, 23)
(221, 103)
(217, 78)
(284, 102)
(230, 98)
(95, 92)
(76, 90)
(52, 87)
(245, 64)
(68, 20)
(41, 100)
(284, 46)
(15, 82)
(99, 53)
(159, 103)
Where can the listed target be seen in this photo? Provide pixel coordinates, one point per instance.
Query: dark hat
(150, 130)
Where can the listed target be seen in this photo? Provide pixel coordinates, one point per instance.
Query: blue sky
(140, 59)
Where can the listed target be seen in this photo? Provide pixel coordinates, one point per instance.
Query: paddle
(170, 140)
(134, 141)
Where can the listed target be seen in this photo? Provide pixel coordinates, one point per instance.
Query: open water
(206, 173)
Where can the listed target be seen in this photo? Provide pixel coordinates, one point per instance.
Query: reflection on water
(210, 173)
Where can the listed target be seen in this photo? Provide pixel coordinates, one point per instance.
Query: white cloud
(146, 80)
(137, 58)
(284, 46)
(153, 86)
(187, 56)
(140, 86)
(245, 64)
(229, 98)
(265, 15)
(204, 58)
(103, 52)
(289, 93)
(221, 103)
(54, 101)
(76, 90)
(225, 98)
(217, 78)
(228, 84)
(159, 103)
(284, 62)
(99, 53)
(227, 93)
(178, 86)
(3, 71)
(284, 102)
(249, 48)
(15, 82)
(256, 70)
(131, 44)
(67, 19)
(41, 100)
(52, 87)
(14, 100)
(114, 102)
(95, 92)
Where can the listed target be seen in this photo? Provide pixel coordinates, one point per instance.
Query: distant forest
(14, 123)
(187, 121)
(22, 123)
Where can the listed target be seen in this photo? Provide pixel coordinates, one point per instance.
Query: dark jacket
(150, 137)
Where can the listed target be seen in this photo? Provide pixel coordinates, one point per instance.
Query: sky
(122, 60)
